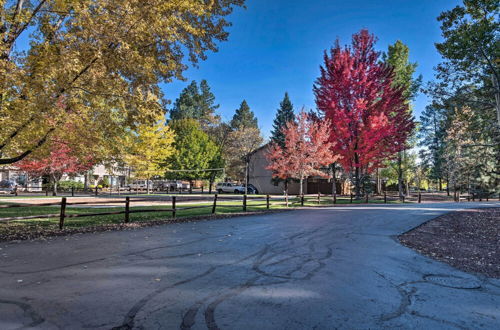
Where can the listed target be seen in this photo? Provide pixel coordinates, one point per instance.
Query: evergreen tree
(186, 105)
(283, 116)
(398, 59)
(244, 117)
(196, 103)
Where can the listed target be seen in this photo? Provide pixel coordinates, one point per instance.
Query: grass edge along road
(184, 211)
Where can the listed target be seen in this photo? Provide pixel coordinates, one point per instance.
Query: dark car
(251, 189)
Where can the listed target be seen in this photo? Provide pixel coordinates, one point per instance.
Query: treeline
(460, 129)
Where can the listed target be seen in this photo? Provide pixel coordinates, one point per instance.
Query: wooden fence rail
(244, 202)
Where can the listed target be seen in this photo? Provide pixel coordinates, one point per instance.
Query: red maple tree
(371, 121)
(61, 159)
(307, 149)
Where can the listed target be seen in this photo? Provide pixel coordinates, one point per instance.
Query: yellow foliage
(99, 62)
(148, 148)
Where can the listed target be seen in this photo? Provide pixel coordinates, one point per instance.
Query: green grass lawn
(223, 207)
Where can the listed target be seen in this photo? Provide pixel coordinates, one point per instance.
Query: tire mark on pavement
(28, 311)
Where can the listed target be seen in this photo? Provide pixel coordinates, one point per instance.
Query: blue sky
(277, 45)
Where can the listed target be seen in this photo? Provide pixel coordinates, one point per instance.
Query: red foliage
(307, 149)
(371, 120)
(61, 160)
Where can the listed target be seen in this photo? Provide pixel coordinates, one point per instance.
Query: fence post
(488, 197)
(419, 197)
(458, 196)
(302, 200)
(403, 199)
(244, 203)
(174, 206)
(215, 204)
(46, 191)
(366, 199)
(96, 193)
(267, 201)
(319, 198)
(335, 199)
(127, 209)
(202, 189)
(72, 191)
(385, 197)
(351, 199)
(63, 213)
(473, 197)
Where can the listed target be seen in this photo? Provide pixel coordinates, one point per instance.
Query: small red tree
(307, 149)
(61, 159)
(370, 117)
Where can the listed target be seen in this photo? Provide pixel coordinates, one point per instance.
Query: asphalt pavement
(325, 268)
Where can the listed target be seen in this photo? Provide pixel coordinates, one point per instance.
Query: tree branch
(40, 142)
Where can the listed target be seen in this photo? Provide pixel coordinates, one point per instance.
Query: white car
(141, 185)
(228, 187)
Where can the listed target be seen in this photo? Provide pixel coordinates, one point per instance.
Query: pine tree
(283, 116)
(244, 117)
(196, 103)
(186, 105)
(398, 59)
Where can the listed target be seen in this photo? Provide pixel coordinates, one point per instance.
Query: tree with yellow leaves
(95, 61)
(147, 150)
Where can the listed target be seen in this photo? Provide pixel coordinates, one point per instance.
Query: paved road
(308, 269)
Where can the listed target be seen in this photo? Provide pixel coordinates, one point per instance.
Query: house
(262, 178)
(116, 176)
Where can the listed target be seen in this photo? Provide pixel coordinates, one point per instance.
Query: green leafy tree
(244, 117)
(284, 115)
(471, 49)
(194, 151)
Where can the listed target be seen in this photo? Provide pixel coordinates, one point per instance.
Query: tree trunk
(86, 181)
(190, 186)
(440, 184)
(400, 175)
(210, 184)
(357, 183)
(378, 186)
(246, 175)
(334, 182)
(447, 187)
(408, 188)
(54, 185)
(147, 186)
(497, 97)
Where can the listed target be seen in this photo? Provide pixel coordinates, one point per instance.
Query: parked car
(141, 185)
(228, 187)
(175, 185)
(8, 187)
(251, 189)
